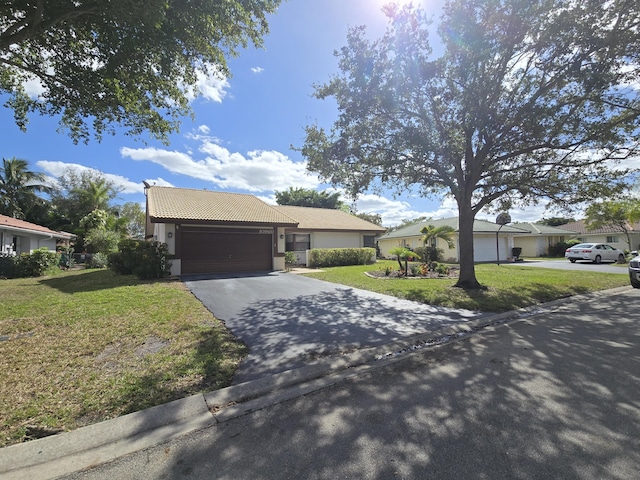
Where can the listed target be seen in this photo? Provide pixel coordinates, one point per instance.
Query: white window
(613, 239)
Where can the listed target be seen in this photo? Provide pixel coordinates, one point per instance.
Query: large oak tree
(134, 63)
(530, 99)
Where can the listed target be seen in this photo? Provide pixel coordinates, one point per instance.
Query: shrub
(98, 260)
(336, 257)
(559, 248)
(433, 254)
(36, 264)
(420, 252)
(7, 265)
(290, 258)
(141, 258)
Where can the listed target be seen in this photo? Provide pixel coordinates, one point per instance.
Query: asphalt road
(563, 264)
(552, 395)
(288, 320)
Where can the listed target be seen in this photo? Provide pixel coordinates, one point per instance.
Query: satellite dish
(503, 218)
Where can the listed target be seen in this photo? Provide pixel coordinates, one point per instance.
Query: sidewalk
(90, 446)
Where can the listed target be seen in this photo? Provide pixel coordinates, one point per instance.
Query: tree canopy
(18, 188)
(123, 62)
(620, 214)
(306, 197)
(531, 100)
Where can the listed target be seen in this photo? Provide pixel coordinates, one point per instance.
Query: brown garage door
(213, 251)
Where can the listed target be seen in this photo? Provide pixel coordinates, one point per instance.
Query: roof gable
(176, 204)
(479, 226)
(310, 218)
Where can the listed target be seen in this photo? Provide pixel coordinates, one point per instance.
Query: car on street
(594, 252)
(634, 270)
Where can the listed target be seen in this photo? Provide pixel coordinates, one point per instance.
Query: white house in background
(540, 238)
(216, 232)
(488, 239)
(612, 235)
(18, 236)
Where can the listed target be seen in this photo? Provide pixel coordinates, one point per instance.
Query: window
(612, 239)
(298, 242)
(369, 241)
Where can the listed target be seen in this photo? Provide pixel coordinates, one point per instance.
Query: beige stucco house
(540, 238)
(220, 232)
(614, 236)
(18, 236)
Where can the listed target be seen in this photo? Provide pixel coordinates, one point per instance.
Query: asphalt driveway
(288, 320)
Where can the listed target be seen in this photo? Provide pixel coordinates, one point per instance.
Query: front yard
(86, 346)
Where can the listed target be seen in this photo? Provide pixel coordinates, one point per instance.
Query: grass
(87, 346)
(508, 286)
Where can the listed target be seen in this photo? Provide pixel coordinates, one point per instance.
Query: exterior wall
(24, 243)
(336, 240)
(531, 246)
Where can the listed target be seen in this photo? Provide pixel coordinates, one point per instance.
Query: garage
(206, 250)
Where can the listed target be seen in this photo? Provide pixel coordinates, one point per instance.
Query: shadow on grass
(94, 280)
(490, 300)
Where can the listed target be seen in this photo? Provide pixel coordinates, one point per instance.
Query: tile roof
(540, 229)
(479, 226)
(167, 203)
(17, 224)
(581, 227)
(327, 219)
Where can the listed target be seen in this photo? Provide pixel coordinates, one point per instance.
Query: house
(218, 232)
(541, 237)
(18, 236)
(614, 236)
(488, 239)
(326, 228)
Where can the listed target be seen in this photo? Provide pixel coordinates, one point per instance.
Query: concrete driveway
(563, 264)
(288, 320)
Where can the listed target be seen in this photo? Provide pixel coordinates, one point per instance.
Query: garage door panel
(216, 252)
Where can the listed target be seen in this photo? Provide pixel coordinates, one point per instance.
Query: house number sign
(265, 231)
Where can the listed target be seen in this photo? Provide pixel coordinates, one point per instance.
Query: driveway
(563, 264)
(288, 320)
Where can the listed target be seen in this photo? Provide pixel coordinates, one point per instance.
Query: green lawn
(86, 346)
(508, 286)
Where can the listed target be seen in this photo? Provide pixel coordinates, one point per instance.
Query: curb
(90, 446)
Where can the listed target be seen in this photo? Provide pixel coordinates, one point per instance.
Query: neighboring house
(488, 239)
(540, 238)
(219, 232)
(18, 236)
(614, 236)
(326, 228)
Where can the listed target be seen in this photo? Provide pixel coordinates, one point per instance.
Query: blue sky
(244, 126)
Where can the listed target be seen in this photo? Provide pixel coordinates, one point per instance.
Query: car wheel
(598, 259)
(572, 260)
(634, 283)
(621, 258)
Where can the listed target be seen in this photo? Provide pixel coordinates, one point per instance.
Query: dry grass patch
(87, 346)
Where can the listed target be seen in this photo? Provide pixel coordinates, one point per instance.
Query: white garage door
(484, 248)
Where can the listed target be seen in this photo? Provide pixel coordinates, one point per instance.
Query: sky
(245, 126)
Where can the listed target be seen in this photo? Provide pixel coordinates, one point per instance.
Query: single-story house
(540, 239)
(326, 228)
(18, 236)
(488, 239)
(216, 232)
(614, 236)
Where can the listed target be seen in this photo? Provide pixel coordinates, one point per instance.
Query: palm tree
(432, 233)
(18, 187)
(403, 253)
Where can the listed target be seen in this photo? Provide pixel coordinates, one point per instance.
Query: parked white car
(594, 252)
(634, 270)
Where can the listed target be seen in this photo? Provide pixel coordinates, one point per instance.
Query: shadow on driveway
(288, 320)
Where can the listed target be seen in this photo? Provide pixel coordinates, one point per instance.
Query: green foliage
(98, 260)
(444, 232)
(333, 257)
(18, 188)
(433, 254)
(527, 101)
(99, 240)
(619, 214)
(143, 259)
(36, 264)
(120, 62)
(559, 248)
(306, 197)
(290, 258)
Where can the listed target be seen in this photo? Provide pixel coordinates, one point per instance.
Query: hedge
(337, 257)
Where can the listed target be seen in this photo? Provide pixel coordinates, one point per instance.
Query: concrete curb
(87, 447)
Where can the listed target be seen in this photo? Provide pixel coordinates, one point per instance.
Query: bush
(290, 258)
(141, 258)
(7, 265)
(338, 257)
(433, 254)
(558, 249)
(98, 260)
(36, 264)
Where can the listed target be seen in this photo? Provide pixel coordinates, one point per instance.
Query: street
(551, 395)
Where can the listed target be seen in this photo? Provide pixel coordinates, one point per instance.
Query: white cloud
(204, 129)
(55, 169)
(257, 69)
(257, 171)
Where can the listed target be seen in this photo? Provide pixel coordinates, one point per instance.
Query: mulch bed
(454, 270)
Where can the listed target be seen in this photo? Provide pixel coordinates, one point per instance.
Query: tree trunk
(467, 278)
